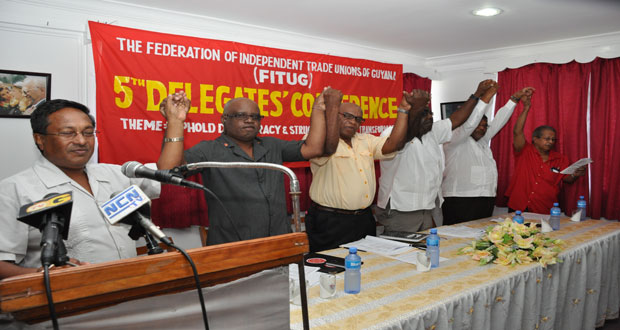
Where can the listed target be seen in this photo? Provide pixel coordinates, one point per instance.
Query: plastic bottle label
(353, 264)
(432, 242)
(581, 204)
(555, 212)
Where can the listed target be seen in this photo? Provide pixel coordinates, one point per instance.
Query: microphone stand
(294, 185)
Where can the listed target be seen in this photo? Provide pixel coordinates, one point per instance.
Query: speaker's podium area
(243, 284)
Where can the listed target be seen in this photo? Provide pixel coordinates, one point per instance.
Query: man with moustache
(343, 182)
(410, 183)
(253, 200)
(64, 133)
(535, 185)
(470, 178)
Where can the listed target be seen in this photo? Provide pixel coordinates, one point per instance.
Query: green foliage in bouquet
(510, 243)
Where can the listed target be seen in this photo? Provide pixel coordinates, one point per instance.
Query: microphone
(51, 215)
(131, 206)
(134, 169)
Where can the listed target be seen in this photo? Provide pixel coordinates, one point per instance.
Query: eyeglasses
(349, 116)
(69, 135)
(484, 126)
(245, 116)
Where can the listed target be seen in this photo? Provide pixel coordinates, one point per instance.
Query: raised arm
(518, 140)
(315, 141)
(330, 100)
(460, 116)
(410, 104)
(174, 108)
(504, 113)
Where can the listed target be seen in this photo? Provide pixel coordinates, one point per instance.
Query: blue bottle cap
(581, 197)
(434, 231)
(353, 249)
(555, 204)
(518, 212)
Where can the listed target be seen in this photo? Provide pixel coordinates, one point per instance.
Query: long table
(579, 293)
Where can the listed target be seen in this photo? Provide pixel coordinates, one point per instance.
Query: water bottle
(518, 218)
(581, 205)
(352, 273)
(432, 248)
(554, 218)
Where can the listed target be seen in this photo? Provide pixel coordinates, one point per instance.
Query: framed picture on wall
(21, 92)
(449, 107)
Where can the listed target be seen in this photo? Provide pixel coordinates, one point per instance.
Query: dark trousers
(327, 230)
(513, 210)
(462, 209)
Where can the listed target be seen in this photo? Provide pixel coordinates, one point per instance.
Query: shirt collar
(259, 150)
(52, 176)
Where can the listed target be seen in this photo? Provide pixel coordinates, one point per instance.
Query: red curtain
(560, 101)
(605, 139)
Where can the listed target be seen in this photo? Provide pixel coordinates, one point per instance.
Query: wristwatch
(403, 111)
(474, 97)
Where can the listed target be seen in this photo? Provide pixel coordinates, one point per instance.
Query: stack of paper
(460, 231)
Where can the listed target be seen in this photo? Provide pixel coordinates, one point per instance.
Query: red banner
(136, 69)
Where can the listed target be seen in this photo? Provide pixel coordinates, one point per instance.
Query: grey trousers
(394, 220)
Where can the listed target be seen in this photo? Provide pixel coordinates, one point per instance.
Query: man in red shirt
(536, 182)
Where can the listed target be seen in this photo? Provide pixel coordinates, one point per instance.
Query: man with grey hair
(535, 185)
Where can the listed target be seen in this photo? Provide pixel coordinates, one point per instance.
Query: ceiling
(427, 29)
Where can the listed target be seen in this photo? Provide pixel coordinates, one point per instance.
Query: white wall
(37, 50)
(51, 36)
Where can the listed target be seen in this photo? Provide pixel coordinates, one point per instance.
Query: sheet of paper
(574, 166)
(536, 217)
(412, 257)
(380, 246)
(460, 231)
(576, 217)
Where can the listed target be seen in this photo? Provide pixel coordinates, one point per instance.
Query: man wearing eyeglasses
(410, 183)
(535, 184)
(470, 178)
(343, 182)
(253, 199)
(64, 133)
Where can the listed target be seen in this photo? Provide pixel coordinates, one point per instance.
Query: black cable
(196, 280)
(48, 292)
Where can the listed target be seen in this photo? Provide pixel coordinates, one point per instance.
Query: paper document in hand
(574, 166)
(380, 246)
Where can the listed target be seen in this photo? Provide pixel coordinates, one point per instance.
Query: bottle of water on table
(352, 273)
(554, 218)
(432, 248)
(581, 206)
(518, 218)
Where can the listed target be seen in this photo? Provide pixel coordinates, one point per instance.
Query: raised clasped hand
(175, 106)
(417, 100)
